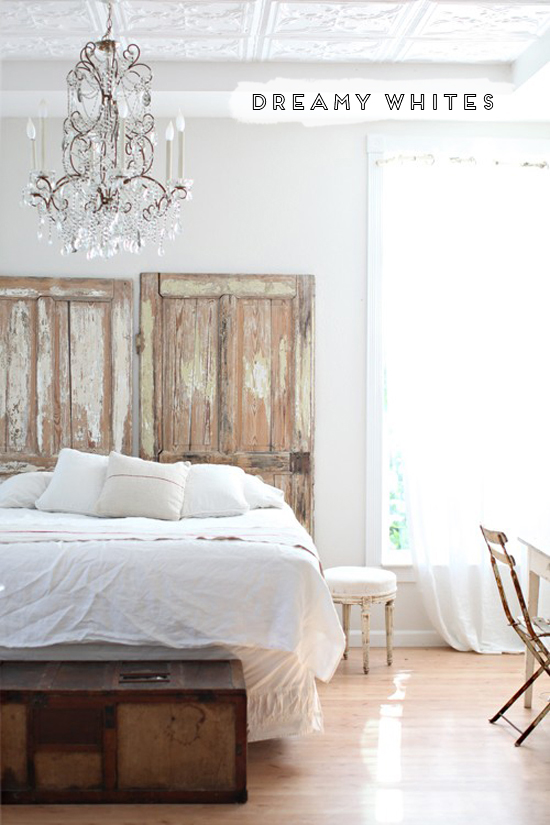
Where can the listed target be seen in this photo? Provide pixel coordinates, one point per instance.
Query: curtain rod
(429, 160)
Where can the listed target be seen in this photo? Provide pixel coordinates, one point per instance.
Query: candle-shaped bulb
(123, 109)
(180, 125)
(42, 115)
(169, 141)
(31, 134)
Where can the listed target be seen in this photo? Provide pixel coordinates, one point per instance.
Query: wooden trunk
(226, 376)
(123, 732)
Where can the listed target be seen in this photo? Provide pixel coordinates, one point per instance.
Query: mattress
(249, 586)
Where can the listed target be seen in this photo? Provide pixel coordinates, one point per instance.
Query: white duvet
(249, 584)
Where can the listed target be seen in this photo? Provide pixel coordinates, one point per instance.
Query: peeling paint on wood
(59, 288)
(65, 369)
(282, 338)
(5, 309)
(241, 286)
(255, 365)
(20, 395)
(45, 377)
(151, 362)
(122, 335)
(90, 375)
(227, 375)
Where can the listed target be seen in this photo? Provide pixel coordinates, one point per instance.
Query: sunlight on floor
(389, 800)
(389, 805)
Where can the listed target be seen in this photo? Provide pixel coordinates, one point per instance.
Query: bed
(248, 587)
(251, 586)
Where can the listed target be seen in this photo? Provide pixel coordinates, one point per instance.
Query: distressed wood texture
(227, 375)
(65, 369)
(75, 731)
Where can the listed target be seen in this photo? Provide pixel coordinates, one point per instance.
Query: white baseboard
(401, 638)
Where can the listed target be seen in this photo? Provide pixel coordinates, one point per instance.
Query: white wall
(267, 199)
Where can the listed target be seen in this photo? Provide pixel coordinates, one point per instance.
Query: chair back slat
(496, 542)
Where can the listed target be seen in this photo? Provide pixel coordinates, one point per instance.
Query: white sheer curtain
(466, 295)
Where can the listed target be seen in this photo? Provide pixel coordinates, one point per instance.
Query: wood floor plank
(406, 744)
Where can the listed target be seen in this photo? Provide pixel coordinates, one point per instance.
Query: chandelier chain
(109, 32)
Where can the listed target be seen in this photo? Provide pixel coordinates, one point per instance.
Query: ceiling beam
(534, 60)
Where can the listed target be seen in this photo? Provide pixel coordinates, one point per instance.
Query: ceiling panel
(441, 31)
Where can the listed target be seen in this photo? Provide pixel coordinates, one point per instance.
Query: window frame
(376, 554)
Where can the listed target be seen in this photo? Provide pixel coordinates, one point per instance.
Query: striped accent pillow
(135, 487)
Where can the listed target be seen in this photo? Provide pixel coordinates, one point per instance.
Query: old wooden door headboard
(65, 369)
(226, 375)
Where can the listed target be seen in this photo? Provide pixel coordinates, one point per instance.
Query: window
(440, 218)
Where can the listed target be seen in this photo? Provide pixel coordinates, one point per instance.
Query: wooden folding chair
(531, 630)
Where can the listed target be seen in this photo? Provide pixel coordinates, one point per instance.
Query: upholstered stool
(364, 586)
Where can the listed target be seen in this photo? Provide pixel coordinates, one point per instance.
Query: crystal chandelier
(107, 200)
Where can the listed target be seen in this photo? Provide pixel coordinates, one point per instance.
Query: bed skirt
(282, 694)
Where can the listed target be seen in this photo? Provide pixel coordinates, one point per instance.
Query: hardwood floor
(406, 744)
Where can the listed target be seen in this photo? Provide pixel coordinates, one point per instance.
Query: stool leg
(389, 631)
(365, 631)
(346, 609)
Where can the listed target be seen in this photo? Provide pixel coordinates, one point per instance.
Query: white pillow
(214, 490)
(135, 487)
(76, 483)
(260, 494)
(24, 489)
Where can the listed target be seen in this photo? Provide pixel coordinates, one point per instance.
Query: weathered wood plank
(121, 365)
(21, 377)
(301, 497)
(171, 402)
(91, 389)
(249, 461)
(5, 312)
(45, 377)
(214, 286)
(303, 339)
(303, 436)
(282, 380)
(255, 331)
(185, 319)
(11, 464)
(229, 391)
(151, 368)
(284, 483)
(62, 384)
(204, 420)
(60, 288)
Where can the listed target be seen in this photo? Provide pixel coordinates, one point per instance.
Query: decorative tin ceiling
(440, 31)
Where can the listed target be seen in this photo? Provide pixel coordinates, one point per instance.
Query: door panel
(226, 375)
(65, 369)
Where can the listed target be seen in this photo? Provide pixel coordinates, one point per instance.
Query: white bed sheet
(78, 580)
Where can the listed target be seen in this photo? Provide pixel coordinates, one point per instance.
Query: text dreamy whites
(301, 102)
